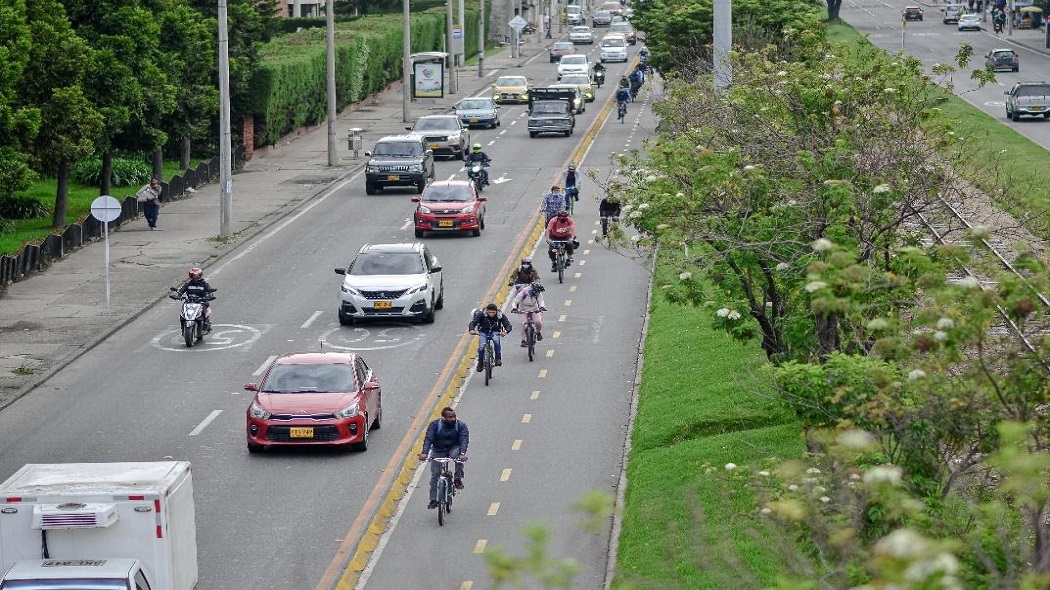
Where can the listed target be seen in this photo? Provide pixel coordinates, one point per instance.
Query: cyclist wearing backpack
(446, 437)
(490, 323)
(571, 181)
(530, 299)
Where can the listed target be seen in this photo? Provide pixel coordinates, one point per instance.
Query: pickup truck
(551, 110)
(1028, 98)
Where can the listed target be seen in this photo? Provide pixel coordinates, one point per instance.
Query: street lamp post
(406, 61)
(330, 79)
(225, 148)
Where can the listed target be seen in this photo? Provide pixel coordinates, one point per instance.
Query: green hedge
(289, 89)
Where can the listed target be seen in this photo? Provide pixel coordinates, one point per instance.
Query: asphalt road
(277, 519)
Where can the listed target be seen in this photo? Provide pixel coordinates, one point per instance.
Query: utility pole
(406, 62)
(723, 43)
(481, 38)
(225, 149)
(451, 60)
(330, 45)
(461, 55)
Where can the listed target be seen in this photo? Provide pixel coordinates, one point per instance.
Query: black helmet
(195, 274)
(537, 288)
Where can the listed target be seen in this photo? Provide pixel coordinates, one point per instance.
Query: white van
(952, 12)
(613, 47)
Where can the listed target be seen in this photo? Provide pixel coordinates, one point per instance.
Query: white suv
(613, 48)
(391, 281)
(575, 63)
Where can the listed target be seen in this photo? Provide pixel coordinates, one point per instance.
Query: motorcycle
(998, 27)
(599, 78)
(476, 174)
(195, 318)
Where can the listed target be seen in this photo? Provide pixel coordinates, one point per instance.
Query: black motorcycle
(195, 318)
(599, 78)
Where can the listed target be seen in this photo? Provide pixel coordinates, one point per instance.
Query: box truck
(98, 525)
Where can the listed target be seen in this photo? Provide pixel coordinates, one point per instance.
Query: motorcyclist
(553, 202)
(561, 229)
(446, 437)
(599, 73)
(197, 289)
(571, 181)
(530, 300)
(477, 155)
(491, 324)
(999, 18)
(523, 275)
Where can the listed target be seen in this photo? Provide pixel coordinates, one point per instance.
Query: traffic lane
(543, 433)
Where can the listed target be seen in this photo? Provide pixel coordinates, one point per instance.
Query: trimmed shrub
(126, 172)
(6, 226)
(23, 208)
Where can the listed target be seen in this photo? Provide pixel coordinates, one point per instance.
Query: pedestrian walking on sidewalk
(150, 198)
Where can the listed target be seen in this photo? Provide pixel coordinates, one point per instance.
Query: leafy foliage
(22, 208)
(126, 172)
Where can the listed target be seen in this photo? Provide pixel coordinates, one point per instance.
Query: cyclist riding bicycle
(561, 229)
(446, 437)
(553, 202)
(490, 323)
(477, 155)
(524, 275)
(623, 96)
(571, 180)
(530, 300)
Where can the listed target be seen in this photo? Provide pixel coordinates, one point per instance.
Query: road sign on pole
(517, 23)
(106, 209)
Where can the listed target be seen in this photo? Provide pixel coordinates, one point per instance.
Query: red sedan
(314, 399)
(449, 206)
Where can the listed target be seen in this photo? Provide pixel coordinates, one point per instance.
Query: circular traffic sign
(105, 209)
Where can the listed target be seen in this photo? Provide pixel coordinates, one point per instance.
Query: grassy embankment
(701, 406)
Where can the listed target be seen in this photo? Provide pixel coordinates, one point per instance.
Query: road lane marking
(493, 509)
(586, 252)
(466, 585)
(568, 303)
(550, 353)
(204, 423)
(535, 395)
(557, 334)
(505, 475)
(577, 275)
(516, 445)
(526, 418)
(572, 289)
(479, 547)
(267, 362)
(407, 223)
(583, 263)
(307, 323)
(561, 318)
(543, 373)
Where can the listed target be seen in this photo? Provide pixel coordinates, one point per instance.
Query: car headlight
(415, 168)
(371, 169)
(349, 411)
(256, 412)
(468, 209)
(417, 289)
(424, 209)
(350, 290)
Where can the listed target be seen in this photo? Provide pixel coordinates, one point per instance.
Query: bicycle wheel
(561, 266)
(489, 355)
(530, 339)
(442, 488)
(569, 200)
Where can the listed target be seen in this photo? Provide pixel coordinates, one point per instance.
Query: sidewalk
(50, 319)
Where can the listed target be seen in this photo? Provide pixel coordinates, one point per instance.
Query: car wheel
(1017, 69)
(532, 134)
(370, 188)
(253, 448)
(345, 320)
(422, 185)
(363, 445)
(440, 303)
(476, 233)
(481, 222)
(428, 317)
(1015, 116)
(378, 422)
(419, 233)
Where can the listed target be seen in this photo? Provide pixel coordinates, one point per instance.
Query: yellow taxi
(583, 82)
(511, 89)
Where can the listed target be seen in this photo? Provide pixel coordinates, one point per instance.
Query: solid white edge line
(263, 366)
(313, 317)
(204, 423)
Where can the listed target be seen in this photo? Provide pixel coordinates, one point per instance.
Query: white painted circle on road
(377, 338)
(222, 336)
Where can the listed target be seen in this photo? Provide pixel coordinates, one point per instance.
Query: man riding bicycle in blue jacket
(491, 324)
(446, 437)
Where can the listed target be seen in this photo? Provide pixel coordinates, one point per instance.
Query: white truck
(104, 526)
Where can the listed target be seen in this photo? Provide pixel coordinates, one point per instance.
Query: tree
(73, 130)
(18, 123)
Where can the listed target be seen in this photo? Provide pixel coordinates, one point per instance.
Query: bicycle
(559, 258)
(608, 224)
(488, 358)
(621, 110)
(445, 488)
(529, 333)
(572, 194)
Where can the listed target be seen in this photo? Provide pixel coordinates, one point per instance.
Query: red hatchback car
(314, 399)
(449, 206)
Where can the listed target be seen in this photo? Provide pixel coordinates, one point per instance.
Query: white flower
(969, 283)
(878, 324)
(855, 439)
(854, 476)
(822, 244)
(781, 74)
(764, 473)
(782, 266)
(650, 178)
(679, 195)
(662, 226)
(766, 511)
(890, 90)
(809, 480)
(945, 324)
(940, 336)
(749, 167)
(730, 466)
(882, 188)
(944, 566)
(825, 499)
(733, 315)
(902, 544)
(793, 487)
(685, 276)
(890, 474)
(722, 313)
(819, 489)
(916, 374)
(981, 231)
(1002, 151)
(636, 238)
(815, 286)
(812, 470)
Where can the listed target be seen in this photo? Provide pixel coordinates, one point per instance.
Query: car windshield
(574, 60)
(447, 194)
(602, 14)
(309, 378)
(399, 149)
(386, 263)
(580, 30)
(564, 46)
(511, 82)
(441, 124)
(1004, 54)
(613, 42)
(549, 107)
(1033, 91)
(475, 104)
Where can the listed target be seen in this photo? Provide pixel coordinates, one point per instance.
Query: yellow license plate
(381, 305)
(393, 177)
(444, 223)
(1037, 108)
(433, 146)
(473, 120)
(306, 432)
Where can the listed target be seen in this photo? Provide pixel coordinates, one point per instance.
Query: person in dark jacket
(446, 437)
(524, 275)
(197, 289)
(491, 324)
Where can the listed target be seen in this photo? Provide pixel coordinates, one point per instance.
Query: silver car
(391, 281)
(444, 134)
(581, 34)
(478, 111)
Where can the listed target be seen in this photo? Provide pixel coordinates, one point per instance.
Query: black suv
(399, 160)
(912, 13)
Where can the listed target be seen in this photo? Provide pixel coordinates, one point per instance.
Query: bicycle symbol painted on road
(377, 338)
(221, 337)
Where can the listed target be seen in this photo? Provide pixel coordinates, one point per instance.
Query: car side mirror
(340, 271)
(1007, 93)
(172, 289)
(368, 154)
(434, 269)
(251, 386)
(483, 199)
(414, 199)
(409, 127)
